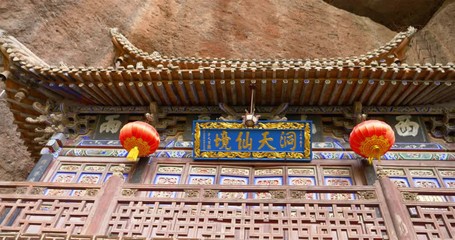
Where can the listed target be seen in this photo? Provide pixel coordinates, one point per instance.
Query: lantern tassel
(377, 155)
(370, 160)
(132, 155)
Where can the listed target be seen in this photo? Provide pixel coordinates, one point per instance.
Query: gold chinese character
(265, 141)
(224, 140)
(288, 139)
(246, 143)
(209, 146)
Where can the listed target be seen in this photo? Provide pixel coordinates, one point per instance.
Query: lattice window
(234, 176)
(45, 215)
(433, 222)
(426, 177)
(94, 173)
(268, 177)
(241, 220)
(86, 173)
(432, 213)
(202, 175)
(304, 175)
(167, 174)
(239, 175)
(448, 177)
(338, 177)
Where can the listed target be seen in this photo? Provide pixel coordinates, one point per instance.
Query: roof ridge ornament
(385, 53)
(250, 119)
(411, 31)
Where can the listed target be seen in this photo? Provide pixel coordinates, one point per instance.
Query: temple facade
(83, 187)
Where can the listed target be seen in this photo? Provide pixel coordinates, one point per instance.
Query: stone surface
(76, 32)
(435, 43)
(15, 162)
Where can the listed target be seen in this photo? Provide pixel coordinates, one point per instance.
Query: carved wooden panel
(433, 221)
(427, 194)
(422, 177)
(242, 220)
(80, 172)
(307, 174)
(44, 215)
(223, 174)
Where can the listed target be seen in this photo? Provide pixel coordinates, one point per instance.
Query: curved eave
(311, 84)
(12, 49)
(386, 54)
(383, 86)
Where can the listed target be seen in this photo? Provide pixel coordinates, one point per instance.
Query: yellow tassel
(132, 155)
(370, 160)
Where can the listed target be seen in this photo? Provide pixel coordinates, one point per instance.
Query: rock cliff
(76, 33)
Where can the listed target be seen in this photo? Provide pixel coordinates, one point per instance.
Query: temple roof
(190, 81)
(377, 79)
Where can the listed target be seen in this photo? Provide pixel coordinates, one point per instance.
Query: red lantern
(372, 139)
(139, 138)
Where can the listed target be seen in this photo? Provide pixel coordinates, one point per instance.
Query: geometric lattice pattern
(41, 216)
(247, 220)
(433, 222)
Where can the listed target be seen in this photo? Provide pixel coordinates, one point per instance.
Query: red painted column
(398, 211)
(104, 206)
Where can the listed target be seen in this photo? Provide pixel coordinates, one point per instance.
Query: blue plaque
(268, 141)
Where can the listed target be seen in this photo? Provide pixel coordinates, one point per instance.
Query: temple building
(83, 186)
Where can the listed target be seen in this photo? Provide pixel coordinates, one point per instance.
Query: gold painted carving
(235, 171)
(197, 137)
(190, 193)
(118, 170)
(408, 196)
(301, 171)
(268, 171)
(269, 125)
(380, 172)
(298, 194)
(91, 192)
(421, 172)
(38, 190)
(128, 192)
(21, 190)
(211, 193)
(307, 151)
(170, 169)
(278, 194)
(367, 195)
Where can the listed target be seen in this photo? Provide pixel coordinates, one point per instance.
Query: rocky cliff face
(76, 32)
(15, 162)
(435, 43)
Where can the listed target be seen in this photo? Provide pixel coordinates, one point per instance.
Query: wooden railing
(251, 212)
(431, 211)
(121, 210)
(27, 207)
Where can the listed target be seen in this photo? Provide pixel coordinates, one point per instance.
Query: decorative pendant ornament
(139, 139)
(250, 119)
(372, 139)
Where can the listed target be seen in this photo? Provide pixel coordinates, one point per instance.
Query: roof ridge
(389, 53)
